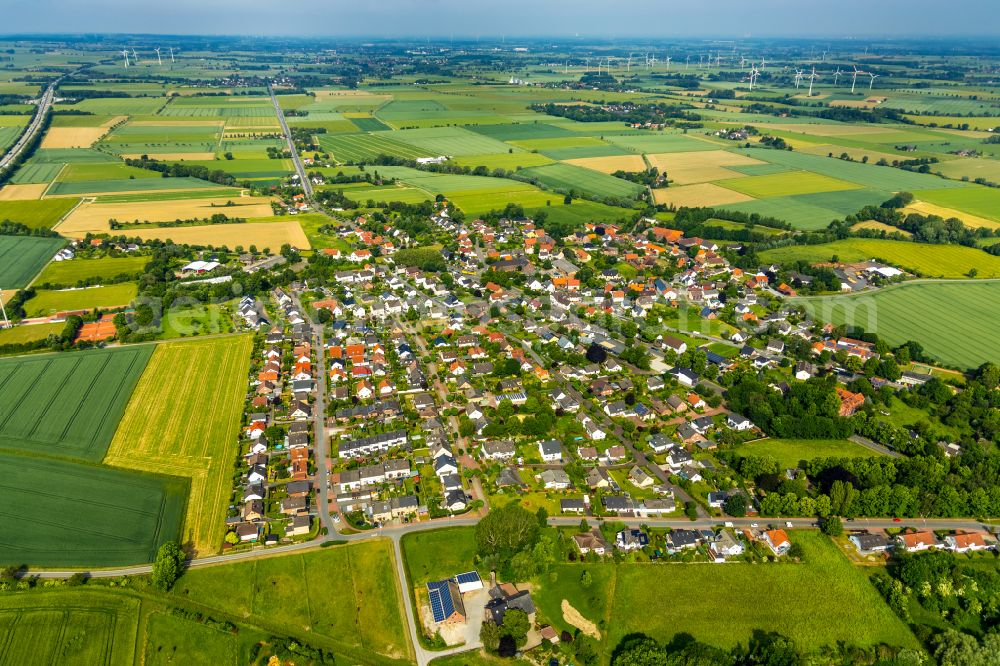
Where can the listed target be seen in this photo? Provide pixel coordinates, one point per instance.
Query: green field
(981, 201)
(944, 261)
(49, 302)
(76, 628)
(60, 513)
(22, 334)
(660, 143)
(438, 554)
(954, 321)
(183, 419)
(170, 638)
(21, 257)
(593, 183)
(67, 405)
(790, 452)
(347, 595)
(362, 147)
(785, 184)
(814, 603)
(68, 273)
(39, 214)
(127, 185)
(74, 173)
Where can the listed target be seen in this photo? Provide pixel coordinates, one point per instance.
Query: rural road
(44, 103)
(299, 168)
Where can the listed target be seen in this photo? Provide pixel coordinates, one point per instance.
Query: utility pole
(3, 310)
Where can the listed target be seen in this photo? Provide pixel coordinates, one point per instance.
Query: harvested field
(12, 192)
(880, 226)
(968, 219)
(611, 164)
(92, 217)
(703, 194)
(183, 420)
(262, 234)
(180, 157)
(77, 137)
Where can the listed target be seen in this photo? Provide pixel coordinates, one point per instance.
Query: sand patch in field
(77, 137)
(12, 192)
(611, 164)
(573, 617)
(968, 219)
(262, 234)
(702, 194)
(92, 217)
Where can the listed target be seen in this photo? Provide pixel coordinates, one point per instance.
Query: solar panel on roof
(468, 577)
(440, 598)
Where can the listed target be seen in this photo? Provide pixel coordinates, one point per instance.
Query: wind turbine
(135, 56)
(667, 60)
(872, 82)
(125, 53)
(854, 78)
(754, 73)
(836, 76)
(171, 54)
(743, 62)
(628, 64)
(812, 77)
(158, 61)
(798, 78)
(763, 61)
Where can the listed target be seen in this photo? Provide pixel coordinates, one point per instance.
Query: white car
(753, 525)
(727, 524)
(788, 523)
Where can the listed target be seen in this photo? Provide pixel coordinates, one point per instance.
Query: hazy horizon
(515, 18)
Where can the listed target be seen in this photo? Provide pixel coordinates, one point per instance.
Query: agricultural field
(48, 302)
(93, 217)
(69, 273)
(22, 257)
(36, 214)
(262, 234)
(78, 628)
(812, 600)
(979, 201)
(785, 184)
(954, 321)
(346, 595)
(790, 452)
(67, 405)
(934, 261)
(18, 335)
(91, 187)
(358, 148)
(72, 514)
(576, 178)
(183, 419)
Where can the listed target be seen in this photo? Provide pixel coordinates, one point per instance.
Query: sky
(490, 18)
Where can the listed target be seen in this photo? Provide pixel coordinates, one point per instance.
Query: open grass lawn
(73, 627)
(479, 203)
(68, 273)
(785, 184)
(49, 302)
(59, 513)
(21, 334)
(183, 419)
(570, 177)
(509, 161)
(170, 638)
(67, 405)
(789, 452)
(21, 257)
(438, 554)
(954, 321)
(347, 595)
(814, 603)
(582, 211)
(40, 214)
(944, 261)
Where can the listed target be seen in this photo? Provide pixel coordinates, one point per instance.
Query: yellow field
(172, 156)
(827, 129)
(262, 234)
(968, 219)
(241, 122)
(985, 123)
(183, 419)
(703, 194)
(611, 164)
(855, 153)
(879, 226)
(77, 137)
(22, 192)
(700, 166)
(93, 217)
